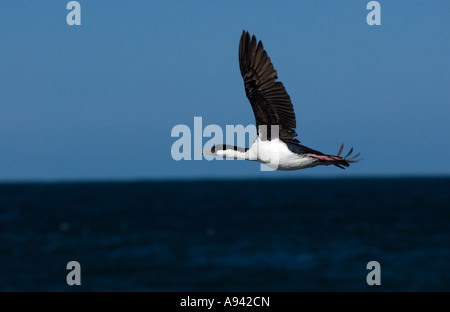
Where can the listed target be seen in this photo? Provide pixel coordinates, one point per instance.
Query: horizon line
(217, 179)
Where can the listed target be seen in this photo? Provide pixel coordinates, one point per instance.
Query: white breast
(277, 155)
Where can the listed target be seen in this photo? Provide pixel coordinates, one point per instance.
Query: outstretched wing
(270, 102)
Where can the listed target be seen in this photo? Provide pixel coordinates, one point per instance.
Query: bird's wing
(270, 102)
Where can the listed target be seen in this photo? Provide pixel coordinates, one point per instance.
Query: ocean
(246, 235)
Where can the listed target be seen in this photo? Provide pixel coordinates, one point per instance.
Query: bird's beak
(206, 153)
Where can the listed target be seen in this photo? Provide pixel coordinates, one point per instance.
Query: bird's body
(276, 145)
(274, 153)
(283, 156)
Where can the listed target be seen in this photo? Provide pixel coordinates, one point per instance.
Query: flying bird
(276, 145)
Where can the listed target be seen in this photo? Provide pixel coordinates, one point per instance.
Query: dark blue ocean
(291, 235)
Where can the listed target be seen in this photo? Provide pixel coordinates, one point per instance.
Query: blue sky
(99, 101)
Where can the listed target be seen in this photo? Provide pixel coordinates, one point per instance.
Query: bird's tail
(337, 160)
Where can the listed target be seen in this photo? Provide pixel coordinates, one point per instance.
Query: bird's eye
(213, 149)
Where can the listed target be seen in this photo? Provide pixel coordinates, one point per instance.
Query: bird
(276, 144)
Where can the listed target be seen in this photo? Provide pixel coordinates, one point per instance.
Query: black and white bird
(278, 149)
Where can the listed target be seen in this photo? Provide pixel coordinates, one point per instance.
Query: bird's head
(216, 150)
(228, 151)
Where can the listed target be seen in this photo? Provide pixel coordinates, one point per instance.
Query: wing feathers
(270, 102)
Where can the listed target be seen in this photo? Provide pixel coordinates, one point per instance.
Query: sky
(98, 101)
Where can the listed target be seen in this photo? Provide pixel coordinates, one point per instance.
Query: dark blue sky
(98, 101)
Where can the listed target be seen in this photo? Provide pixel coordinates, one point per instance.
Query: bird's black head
(214, 149)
